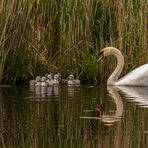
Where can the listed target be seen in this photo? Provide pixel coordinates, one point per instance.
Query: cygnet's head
(56, 77)
(49, 77)
(43, 79)
(71, 77)
(38, 78)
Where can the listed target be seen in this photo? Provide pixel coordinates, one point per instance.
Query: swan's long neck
(120, 63)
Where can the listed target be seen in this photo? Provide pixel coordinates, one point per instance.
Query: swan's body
(34, 82)
(137, 77)
(49, 79)
(43, 82)
(72, 81)
(56, 78)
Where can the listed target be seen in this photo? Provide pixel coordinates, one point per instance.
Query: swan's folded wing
(137, 77)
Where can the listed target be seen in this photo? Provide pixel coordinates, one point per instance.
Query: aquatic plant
(41, 36)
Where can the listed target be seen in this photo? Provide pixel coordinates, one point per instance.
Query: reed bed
(43, 36)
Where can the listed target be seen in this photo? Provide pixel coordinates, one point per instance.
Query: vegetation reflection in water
(54, 117)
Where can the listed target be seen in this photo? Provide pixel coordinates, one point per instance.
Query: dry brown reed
(43, 36)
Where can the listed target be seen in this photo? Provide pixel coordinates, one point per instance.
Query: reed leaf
(38, 37)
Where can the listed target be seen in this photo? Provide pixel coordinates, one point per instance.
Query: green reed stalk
(38, 37)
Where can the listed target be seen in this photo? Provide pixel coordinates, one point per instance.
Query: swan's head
(71, 77)
(105, 52)
(48, 76)
(57, 76)
(43, 79)
(38, 79)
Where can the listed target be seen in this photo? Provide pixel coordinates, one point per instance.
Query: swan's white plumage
(137, 77)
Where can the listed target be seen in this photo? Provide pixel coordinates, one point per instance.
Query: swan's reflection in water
(55, 121)
(72, 90)
(55, 90)
(117, 113)
(44, 92)
(52, 90)
(110, 119)
(139, 95)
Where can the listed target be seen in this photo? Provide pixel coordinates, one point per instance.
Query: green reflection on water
(54, 118)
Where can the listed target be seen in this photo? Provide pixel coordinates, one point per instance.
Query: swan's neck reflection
(110, 119)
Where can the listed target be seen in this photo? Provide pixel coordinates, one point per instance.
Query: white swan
(72, 81)
(137, 77)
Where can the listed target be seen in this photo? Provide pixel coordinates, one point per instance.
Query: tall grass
(41, 36)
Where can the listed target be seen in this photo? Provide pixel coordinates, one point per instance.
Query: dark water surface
(66, 117)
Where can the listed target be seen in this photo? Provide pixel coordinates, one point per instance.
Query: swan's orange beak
(100, 57)
(98, 110)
